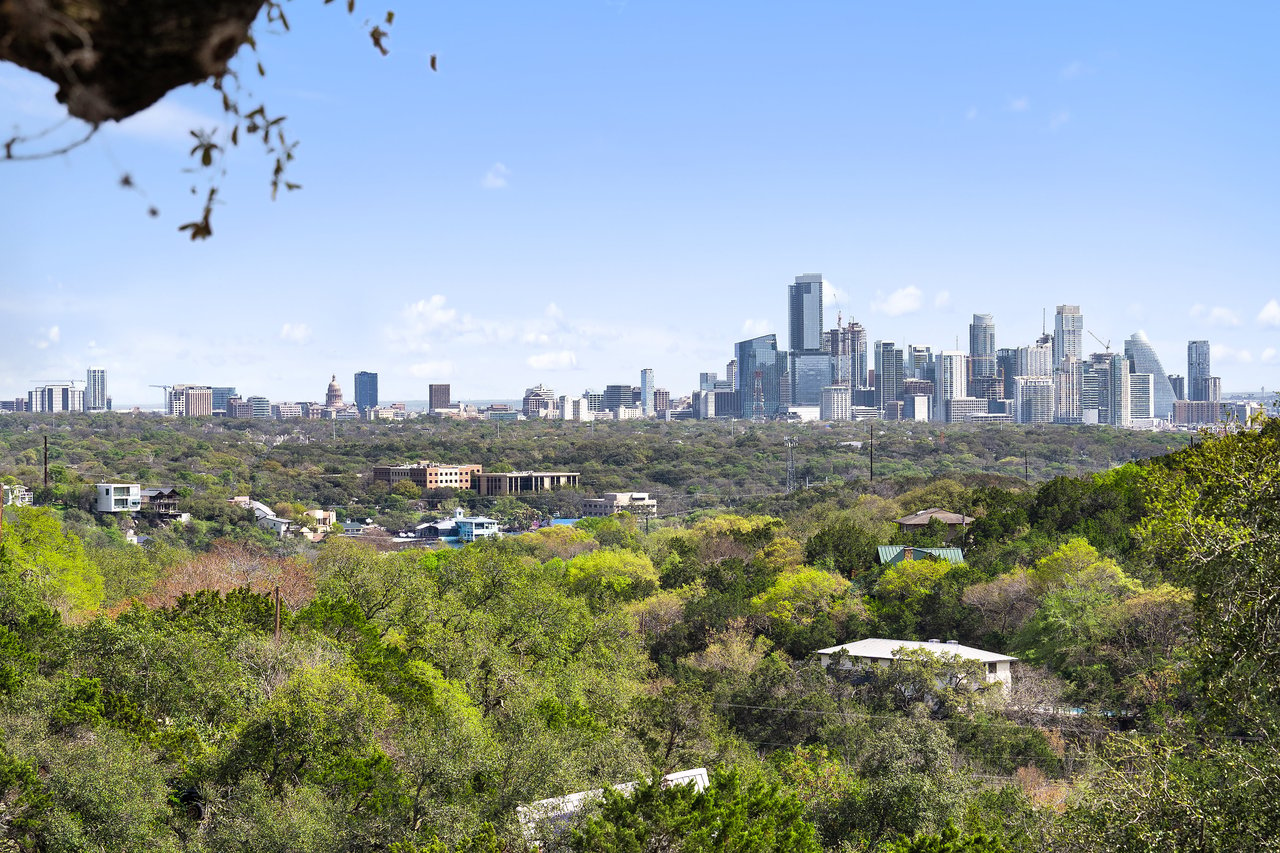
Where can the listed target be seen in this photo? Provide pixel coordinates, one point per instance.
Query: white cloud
(834, 295)
(904, 300)
(432, 369)
(943, 300)
(1270, 314)
(55, 334)
(553, 311)
(48, 337)
(1058, 119)
(1020, 104)
(1215, 316)
(755, 328)
(295, 333)
(166, 121)
(1073, 70)
(562, 360)
(496, 177)
(1269, 356)
(1227, 354)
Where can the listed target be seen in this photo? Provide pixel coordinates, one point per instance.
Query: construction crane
(167, 389)
(71, 382)
(1106, 343)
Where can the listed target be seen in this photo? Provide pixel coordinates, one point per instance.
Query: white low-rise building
(118, 497)
(636, 503)
(880, 652)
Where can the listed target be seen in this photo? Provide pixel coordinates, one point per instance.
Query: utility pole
(791, 465)
(1026, 467)
(46, 461)
(872, 443)
(277, 633)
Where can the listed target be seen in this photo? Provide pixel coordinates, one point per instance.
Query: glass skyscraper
(761, 368)
(1144, 360)
(366, 390)
(804, 309)
(95, 389)
(1198, 370)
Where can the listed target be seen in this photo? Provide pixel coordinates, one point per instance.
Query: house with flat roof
(876, 651)
(117, 497)
(611, 503)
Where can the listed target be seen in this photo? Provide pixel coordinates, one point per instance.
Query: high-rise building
(1035, 360)
(56, 397)
(366, 385)
(95, 389)
(1007, 369)
(616, 396)
(950, 382)
(810, 373)
(1198, 370)
(1068, 386)
(918, 362)
(1068, 334)
(1143, 359)
(221, 393)
(889, 369)
(837, 402)
(1033, 400)
(661, 400)
(539, 402)
(1121, 404)
(259, 407)
(848, 348)
(1179, 384)
(982, 347)
(646, 391)
(731, 372)
(1142, 397)
(804, 310)
(707, 381)
(438, 396)
(761, 373)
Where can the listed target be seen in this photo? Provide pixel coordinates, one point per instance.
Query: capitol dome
(333, 397)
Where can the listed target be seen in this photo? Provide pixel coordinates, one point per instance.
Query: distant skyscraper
(366, 385)
(889, 369)
(1068, 386)
(1141, 396)
(731, 372)
(646, 391)
(761, 371)
(950, 383)
(1033, 399)
(1144, 360)
(804, 308)
(221, 393)
(982, 347)
(1068, 334)
(707, 381)
(1179, 384)
(848, 348)
(1198, 370)
(438, 396)
(836, 403)
(810, 373)
(95, 389)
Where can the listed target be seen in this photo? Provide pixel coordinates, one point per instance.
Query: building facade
(804, 312)
(1068, 334)
(95, 390)
(366, 389)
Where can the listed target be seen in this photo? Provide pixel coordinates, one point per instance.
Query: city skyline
(561, 204)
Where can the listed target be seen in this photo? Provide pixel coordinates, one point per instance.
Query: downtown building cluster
(841, 374)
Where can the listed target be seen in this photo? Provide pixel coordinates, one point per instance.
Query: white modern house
(880, 652)
(550, 817)
(118, 497)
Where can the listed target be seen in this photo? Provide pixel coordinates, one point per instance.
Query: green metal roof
(894, 553)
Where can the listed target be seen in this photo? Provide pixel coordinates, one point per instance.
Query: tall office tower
(1095, 389)
(1179, 384)
(1142, 397)
(918, 362)
(837, 402)
(1213, 389)
(221, 393)
(539, 402)
(848, 347)
(810, 373)
(1007, 369)
(951, 380)
(761, 371)
(1033, 399)
(57, 397)
(1068, 334)
(366, 384)
(1197, 370)
(646, 391)
(1143, 358)
(1121, 404)
(982, 347)
(616, 396)
(804, 308)
(95, 389)
(661, 400)
(1034, 360)
(889, 368)
(1068, 379)
(438, 396)
(731, 372)
(707, 381)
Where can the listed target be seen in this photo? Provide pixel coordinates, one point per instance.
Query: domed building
(333, 397)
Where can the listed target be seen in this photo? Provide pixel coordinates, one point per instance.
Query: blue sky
(585, 189)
